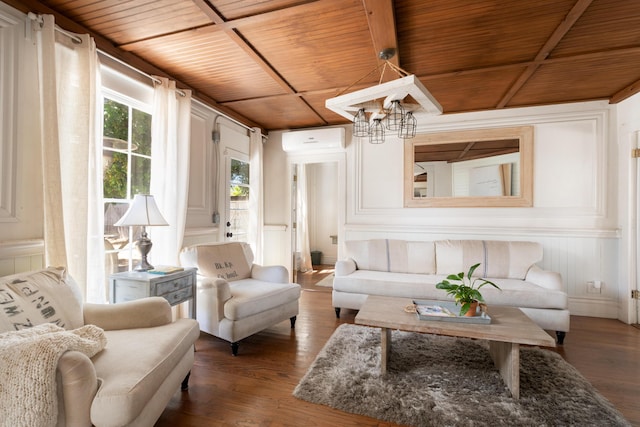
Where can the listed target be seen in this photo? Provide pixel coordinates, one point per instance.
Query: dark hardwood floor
(254, 388)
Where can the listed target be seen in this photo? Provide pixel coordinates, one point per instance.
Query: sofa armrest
(271, 273)
(545, 278)
(77, 386)
(345, 267)
(141, 313)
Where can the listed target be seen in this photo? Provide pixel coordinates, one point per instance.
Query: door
(237, 198)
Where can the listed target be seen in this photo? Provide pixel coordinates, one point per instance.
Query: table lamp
(142, 212)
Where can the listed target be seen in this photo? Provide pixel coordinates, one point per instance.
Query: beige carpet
(327, 281)
(444, 381)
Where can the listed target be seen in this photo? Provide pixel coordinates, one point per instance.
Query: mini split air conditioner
(326, 139)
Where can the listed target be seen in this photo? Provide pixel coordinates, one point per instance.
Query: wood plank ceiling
(273, 63)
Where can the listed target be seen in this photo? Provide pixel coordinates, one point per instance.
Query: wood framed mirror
(471, 168)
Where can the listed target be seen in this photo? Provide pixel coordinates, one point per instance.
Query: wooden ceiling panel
(129, 21)
(235, 9)
(331, 48)
(578, 80)
(317, 102)
(442, 35)
(605, 25)
(275, 62)
(471, 91)
(286, 112)
(209, 62)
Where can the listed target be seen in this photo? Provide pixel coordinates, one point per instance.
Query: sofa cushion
(398, 256)
(250, 296)
(223, 260)
(509, 260)
(390, 284)
(514, 292)
(520, 293)
(45, 296)
(133, 366)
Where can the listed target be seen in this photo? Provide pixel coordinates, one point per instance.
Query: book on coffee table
(446, 311)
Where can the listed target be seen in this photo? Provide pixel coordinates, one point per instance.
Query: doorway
(317, 212)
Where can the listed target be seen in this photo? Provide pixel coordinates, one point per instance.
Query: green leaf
(471, 270)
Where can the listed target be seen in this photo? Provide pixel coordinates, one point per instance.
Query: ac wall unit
(326, 139)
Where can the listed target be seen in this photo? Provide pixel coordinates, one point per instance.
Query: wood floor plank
(255, 388)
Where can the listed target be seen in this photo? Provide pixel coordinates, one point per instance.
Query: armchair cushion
(44, 296)
(151, 356)
(252, 296)
(226, 261)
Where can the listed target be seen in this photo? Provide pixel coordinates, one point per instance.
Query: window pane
(116, 120)
(140, 175)
(141, 133)
(114, 174)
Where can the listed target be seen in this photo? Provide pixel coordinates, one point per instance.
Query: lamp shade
(143, 211)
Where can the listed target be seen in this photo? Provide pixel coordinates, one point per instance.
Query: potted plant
(466, 291)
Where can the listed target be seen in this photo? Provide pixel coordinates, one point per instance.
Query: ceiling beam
(247, 48)
(625, 93)
(382, 27)
(561, 30)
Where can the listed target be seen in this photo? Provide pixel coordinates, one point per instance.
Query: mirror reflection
(469, 168)
(489, 167)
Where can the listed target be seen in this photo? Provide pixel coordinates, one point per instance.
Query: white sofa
(237, 298)
(411, 269)
(147, 356)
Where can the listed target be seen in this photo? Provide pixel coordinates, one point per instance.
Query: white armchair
(237, 298)
(146, 359)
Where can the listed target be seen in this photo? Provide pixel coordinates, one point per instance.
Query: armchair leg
(234, 348)
(293, 322)
(337, 312)
(185, 382)
(560, 335)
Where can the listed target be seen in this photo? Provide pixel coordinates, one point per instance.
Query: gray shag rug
(442, 381)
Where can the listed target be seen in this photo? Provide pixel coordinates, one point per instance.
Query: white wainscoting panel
(578, 258)
(21, 256)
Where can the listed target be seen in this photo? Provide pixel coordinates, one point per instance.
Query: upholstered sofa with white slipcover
(237, 298)
(412, 268)
(144, 358)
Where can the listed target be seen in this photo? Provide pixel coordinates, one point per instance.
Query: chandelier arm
(400, 71)
(360, 79)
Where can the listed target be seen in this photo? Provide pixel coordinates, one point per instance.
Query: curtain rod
(38, 18)
(155, 80)
(149, 76)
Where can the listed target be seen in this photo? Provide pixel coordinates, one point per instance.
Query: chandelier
(386, 107)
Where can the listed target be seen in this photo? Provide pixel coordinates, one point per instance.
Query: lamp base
(144, 246)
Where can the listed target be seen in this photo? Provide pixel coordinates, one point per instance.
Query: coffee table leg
(385, 341)
(506, 357)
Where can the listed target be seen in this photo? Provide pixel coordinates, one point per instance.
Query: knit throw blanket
(28, 361)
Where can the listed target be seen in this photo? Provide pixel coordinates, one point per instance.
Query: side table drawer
(127, 290)
(178, 296)
(170, 286)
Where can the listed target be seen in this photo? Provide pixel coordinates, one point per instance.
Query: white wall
(322, 181)
(575, 208)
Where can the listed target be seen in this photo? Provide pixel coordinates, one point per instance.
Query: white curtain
(170, 136)
(71, 129)
(302, 220)
(256, 191)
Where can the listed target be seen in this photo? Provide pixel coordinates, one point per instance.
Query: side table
(175, 287)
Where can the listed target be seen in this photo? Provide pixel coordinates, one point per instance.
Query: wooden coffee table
(509, 328)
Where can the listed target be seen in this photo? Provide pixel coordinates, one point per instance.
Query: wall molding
(12, 25)
(20, 248)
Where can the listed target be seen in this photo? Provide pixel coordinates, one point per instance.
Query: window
(238, 215)
(126, 171)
